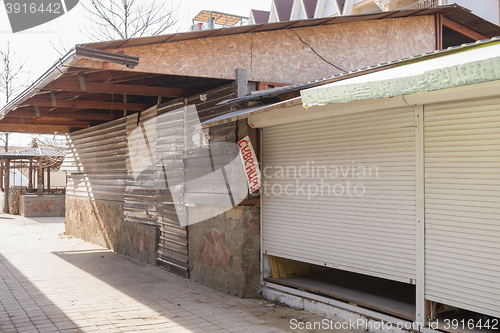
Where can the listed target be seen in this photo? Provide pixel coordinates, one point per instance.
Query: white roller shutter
(462, 205)
(372, 234)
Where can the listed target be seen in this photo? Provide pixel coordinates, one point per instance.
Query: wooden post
(242, 81)
(1, 174)
(30, 183)
(439, 31)
(6, 187)
(48, 180)
(40, 180)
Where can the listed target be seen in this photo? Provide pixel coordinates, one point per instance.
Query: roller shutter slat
(462, 197)
(372, 234)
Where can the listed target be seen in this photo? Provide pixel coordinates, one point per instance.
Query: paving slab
(52, 282)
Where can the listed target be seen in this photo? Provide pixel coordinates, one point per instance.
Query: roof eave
(57, 70)
(60, 67)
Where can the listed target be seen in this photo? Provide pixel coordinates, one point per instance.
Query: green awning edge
(447, 77)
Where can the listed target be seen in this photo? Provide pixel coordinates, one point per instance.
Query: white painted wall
(57, 179)
(17, 178)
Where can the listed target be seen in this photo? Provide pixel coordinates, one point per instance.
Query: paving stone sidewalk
(50, 282)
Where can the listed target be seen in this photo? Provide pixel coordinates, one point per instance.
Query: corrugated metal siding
(462, 197)
(179, 159)
(140, 200)
(173, 245)
(372, 234)
(96, 161)
(128, 160)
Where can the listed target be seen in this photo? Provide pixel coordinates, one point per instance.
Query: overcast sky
(35, 45)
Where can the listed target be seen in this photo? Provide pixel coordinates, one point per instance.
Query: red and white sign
(250, 164)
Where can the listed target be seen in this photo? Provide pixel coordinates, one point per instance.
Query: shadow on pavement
(169, 299)
(25, 307)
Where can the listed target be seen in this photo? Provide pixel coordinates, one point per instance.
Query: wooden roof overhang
(72, 98)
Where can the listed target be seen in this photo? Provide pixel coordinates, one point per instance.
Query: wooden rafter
(66, 94)
(61, 115)
(462, 29)
(107, 75)
(80, 104)
(118, 89)
(38, 129)
(45, 109)
(101, 98)
(61, 122)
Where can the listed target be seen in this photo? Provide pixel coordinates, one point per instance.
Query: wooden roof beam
(65, 94)
(107, 75)
(135, 78)
(462, 29)
(103, 88)
(35, 129)
(60, 115)
(84, 104)
(43, 109)
(60, 122)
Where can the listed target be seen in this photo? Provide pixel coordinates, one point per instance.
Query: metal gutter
(53, 73)
(60, 67)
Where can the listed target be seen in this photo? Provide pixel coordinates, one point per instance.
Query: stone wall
(224, 251)
(44, 206)
(101, 222)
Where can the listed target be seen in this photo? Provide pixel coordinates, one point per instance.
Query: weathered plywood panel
(280, 56)
(210, 57)
(410, 36)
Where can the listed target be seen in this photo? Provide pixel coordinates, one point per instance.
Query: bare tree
(112, 19)
(12, 72)
(60, 46)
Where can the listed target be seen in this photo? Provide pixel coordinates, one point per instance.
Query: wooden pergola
(37, 160)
